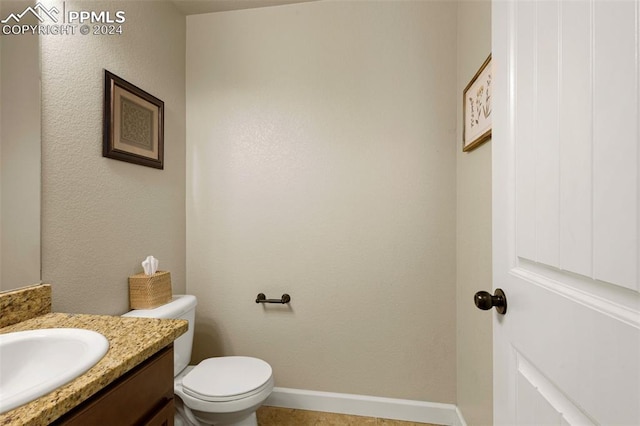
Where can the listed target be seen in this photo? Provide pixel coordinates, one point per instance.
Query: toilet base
(186, 417)
(230, 419)
(251, 420)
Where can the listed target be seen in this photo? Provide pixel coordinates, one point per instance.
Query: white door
(566, 102)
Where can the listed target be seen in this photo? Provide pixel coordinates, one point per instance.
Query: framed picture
(476, 103)
(133, 124)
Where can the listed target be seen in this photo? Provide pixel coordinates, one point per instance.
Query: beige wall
(321, 163)
(474, 334)
(101, 217)
(19, 155)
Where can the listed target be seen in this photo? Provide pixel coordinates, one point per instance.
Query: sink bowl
(35, 362)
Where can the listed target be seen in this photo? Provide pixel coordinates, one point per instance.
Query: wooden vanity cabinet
(143, 396)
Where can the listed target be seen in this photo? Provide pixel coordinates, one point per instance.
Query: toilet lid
(226, 378)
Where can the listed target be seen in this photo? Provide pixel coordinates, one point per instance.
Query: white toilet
(218, 391)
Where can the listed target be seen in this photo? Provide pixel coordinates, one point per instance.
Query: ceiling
(194, 7)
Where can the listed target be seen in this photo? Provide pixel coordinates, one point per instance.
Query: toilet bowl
(220, 391)
(244, 384)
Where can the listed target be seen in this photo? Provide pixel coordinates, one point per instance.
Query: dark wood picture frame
(133, 125)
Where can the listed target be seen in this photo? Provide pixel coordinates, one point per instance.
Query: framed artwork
(476, 103)
(133, 124)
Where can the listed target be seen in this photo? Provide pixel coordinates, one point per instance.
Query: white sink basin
(35, 362)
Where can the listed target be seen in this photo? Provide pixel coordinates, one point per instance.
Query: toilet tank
(180, 307)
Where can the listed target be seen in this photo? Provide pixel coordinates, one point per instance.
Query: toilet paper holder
(261, 298)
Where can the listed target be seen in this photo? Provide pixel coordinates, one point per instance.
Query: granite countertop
(131, 341)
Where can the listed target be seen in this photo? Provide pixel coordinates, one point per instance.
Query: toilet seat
(226, 379)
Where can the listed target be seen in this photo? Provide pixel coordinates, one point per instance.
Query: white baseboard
(459, 418)
(369, 406)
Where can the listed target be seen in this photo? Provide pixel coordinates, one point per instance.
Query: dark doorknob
(485, 301)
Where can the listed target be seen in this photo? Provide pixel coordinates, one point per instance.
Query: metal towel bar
(261, 298)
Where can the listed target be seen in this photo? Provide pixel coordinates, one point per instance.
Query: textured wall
(474, 338)
(321, 163)
(101, 217)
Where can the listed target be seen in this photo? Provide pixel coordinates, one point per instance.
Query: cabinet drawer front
(138, 396)
(164, 416)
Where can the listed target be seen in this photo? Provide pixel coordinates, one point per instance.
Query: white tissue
(150, 265)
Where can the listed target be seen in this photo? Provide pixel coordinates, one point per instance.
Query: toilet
(218, 391)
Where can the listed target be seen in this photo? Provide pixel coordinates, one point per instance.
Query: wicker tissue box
(149, 291)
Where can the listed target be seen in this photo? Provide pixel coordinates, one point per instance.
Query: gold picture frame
(133, 124)
(476, 104)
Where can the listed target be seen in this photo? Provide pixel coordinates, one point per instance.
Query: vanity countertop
(131, 341)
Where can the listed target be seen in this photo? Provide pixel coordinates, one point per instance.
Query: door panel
(566, 197)
(541, 402)
(615, 142)
(575, 154)
(577, 200)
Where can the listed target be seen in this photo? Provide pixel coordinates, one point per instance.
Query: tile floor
(274, 416)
